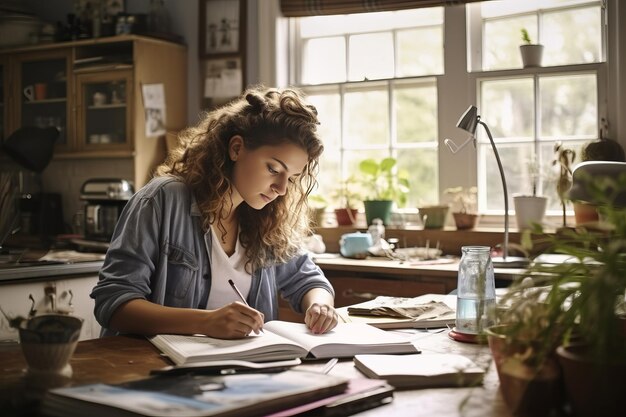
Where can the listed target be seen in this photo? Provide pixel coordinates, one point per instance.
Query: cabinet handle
(364, 295)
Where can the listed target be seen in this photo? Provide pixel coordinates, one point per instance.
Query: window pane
(416, 113)
(490, 191)
(569, 106)
(501, 40)
(507, 108)
(572, 36)
(330, 171)
(324, 61)
(371, 56)
(329, 114)
(366, 118)
(421, 164)
(420, 51)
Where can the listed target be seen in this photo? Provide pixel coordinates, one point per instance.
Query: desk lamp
(469, 121)
(31, 148)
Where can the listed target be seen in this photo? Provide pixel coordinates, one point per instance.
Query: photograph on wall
(223, 80)
(220, 25)
(154, 106)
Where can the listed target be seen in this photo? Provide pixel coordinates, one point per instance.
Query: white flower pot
(529, 210)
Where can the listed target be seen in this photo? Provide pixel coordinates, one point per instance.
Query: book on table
(430, 370)
(282, 340)
(194, 395)
(385, 312)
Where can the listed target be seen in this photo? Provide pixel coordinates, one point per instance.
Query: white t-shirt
(223, 268)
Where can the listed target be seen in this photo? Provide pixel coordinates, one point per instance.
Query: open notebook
(284, 340)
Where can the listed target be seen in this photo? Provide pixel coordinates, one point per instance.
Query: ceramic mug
(355, 245)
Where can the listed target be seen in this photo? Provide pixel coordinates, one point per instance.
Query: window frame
(455, 170)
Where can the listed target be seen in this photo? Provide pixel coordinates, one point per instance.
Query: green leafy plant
(383, 182)
(582, 299)
(525, 36)
(317, 201)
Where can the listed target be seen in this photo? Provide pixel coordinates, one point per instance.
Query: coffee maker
(104, 199)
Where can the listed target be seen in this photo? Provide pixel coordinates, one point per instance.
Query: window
(371, 77)
(529, 110)
(379, 83)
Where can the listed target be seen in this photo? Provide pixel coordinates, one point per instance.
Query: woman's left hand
(320, 318)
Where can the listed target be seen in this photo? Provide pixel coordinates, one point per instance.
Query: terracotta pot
(527, 391)
(585, 213)
(465, 221)
(592, 389)
(346, 217)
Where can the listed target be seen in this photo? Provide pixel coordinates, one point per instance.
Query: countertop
(50, 264)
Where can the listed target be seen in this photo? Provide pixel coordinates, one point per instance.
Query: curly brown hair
(262, 116)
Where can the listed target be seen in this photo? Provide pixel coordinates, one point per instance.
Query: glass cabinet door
(44, 93)
(104, 111)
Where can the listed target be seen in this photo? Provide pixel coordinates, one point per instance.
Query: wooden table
(124, 358)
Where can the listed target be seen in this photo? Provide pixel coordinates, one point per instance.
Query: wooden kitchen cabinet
(91, 90)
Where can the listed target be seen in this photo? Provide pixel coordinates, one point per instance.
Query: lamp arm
(505, 246)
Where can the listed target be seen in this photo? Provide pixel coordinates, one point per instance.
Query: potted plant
(563, 161)
(602, 149)
(530, 208)
(572, 313)
(347, 199)
(465, 210)
(531, 53)
(385, 186)
(317, 208)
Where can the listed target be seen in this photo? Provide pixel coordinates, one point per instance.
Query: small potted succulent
(464, 208)
(347, 200)
(531, 52)
(530, 208)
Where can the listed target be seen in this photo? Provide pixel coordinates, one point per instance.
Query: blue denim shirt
(160, 253)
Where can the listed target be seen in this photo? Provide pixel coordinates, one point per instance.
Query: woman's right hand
(233, 321)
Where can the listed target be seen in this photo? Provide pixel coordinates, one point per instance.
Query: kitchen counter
(35, 270)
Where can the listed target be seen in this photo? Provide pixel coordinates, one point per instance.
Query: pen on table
(240, 295)
(330, 365)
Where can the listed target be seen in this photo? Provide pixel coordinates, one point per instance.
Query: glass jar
(476, 292)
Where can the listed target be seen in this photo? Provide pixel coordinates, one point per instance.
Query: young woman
(229, 204)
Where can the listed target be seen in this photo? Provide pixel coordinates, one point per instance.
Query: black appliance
(41, 214)
(105, 199)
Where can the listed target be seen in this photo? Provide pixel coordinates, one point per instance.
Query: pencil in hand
(239, 294)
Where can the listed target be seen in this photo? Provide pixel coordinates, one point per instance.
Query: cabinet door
(41, 89)
(104, 113)
(14, 299)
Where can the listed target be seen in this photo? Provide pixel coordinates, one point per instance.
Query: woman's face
(262, 174)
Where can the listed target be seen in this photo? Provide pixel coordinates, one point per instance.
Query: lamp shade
(31, 146)
(595, 171)
(469, 120)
